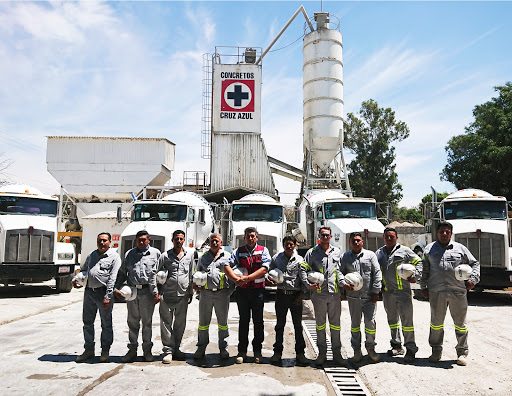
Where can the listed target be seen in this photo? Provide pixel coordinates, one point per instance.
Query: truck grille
(129, 243)
(489, 249)
(24, 247)
(371, 242)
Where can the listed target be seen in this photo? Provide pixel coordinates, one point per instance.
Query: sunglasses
(325, 235)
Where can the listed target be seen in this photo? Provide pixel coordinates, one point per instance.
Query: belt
(288, 291)
(214, 290)
(142, 286)
(95, 289)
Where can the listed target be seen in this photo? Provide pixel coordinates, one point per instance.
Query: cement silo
(323, 99)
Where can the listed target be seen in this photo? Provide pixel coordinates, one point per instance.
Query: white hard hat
(200, 278)
(316, 277)
(463, 272)
(355, 279)
(241, 271)
(276, 275)
(129, 292)
(81, 278)
(161, 277)
(405, 271)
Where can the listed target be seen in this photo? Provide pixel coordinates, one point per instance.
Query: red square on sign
(237, 95)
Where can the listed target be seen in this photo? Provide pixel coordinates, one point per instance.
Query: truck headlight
(65, 256)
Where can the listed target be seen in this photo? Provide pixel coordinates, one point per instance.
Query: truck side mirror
(202, 216)
(119, 213)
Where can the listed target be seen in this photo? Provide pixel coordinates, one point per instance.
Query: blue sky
(134, 69)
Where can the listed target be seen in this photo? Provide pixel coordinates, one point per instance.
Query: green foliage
(369, 137)
(410, 215)
(481, 157)
(428, 198)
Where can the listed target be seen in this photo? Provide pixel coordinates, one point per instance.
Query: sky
(134, 69)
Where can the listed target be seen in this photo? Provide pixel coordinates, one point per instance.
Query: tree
(4, 164)
(369, 137)
(410, 215)
(481, 157)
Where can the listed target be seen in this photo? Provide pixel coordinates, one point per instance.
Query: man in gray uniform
(102, 266)
(325, 258)
(439, 285)
(362, 302)
(138, 269)
(177, 293)
(288, 297)
(214, 295)
(397, 293)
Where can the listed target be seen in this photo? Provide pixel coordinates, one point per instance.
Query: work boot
(199, 353)
(276, 358)
(105, 358)
(224, 354)
(301, 359)
(258, 357)
(320, 360)
(435, 357)
(338, 359)
(358, 356)
(374, 356)
(462, 360)
(178, 355)
(167, 359)
(410, 356)
(240, 358)
(396, 351)
(86, 355)
(130, 356)
(148, 356)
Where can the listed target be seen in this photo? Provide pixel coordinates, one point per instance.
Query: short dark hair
(445, 224)
(354, 234)
(141, 233)
(248, 230)
(177, 232)
(324, 228)
(390, 229)
(105, 233)
(289, 238)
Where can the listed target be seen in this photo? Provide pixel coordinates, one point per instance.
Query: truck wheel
(64, 284)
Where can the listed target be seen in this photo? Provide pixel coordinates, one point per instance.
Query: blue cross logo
(238, 95)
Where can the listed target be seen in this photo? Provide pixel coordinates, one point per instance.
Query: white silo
(323, 93)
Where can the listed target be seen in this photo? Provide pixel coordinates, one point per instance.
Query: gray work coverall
(397, 296)
(139, 269)
(326, 300)
(359, 302)
(445, 291)
(176, 292)
(214, 295)
(102, 272)
(287, 295)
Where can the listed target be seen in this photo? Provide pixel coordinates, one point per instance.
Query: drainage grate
(345, 381)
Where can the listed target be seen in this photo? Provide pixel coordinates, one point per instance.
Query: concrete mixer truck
(29, 251)
(184, 210)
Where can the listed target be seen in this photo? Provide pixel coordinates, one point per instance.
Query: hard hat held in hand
(405, 271)
(129, 292)
(241, 271)
(355, 279)
(199, 278)
(316, 277)
(81, 278)
(161, 277)
(463, 272)
(276, 275)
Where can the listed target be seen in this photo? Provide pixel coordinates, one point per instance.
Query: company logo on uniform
(237, 95)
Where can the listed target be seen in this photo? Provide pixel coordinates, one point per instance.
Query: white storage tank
(323, 92)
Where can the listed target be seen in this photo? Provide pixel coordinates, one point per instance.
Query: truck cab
(29, 250)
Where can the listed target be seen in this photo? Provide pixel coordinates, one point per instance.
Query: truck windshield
(344, 210)
(28, 206)
(475, 210)
(159, 212)
(246, 212)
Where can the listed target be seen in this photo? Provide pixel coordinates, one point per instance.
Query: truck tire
(64, 284)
